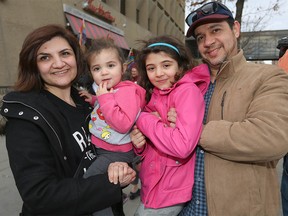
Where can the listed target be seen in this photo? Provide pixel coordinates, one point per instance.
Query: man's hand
(172, 116)
(156, 114)
(121, 172)
(138, 139)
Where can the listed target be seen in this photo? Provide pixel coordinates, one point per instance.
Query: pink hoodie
(116, 113)
(167, 170)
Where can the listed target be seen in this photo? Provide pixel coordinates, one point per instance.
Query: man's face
(217, 42)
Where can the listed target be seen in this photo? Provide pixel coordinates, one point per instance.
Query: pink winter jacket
(116, 114)
(167, 170)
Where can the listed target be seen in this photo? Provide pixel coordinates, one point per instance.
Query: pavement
(10, 201)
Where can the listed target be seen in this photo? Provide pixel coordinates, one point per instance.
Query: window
(149, 24)
(122, 7)
(137, 16)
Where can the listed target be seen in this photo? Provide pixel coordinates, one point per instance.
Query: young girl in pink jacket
(117, 105)
(168, 153)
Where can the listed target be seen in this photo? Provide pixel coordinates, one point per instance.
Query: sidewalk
(10, 201)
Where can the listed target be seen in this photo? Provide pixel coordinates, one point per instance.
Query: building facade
(126, 21)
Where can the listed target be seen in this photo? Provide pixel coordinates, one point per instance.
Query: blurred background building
(126, 21)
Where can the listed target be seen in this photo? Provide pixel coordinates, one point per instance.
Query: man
(283, 54)
(245, 124)
(283, 63)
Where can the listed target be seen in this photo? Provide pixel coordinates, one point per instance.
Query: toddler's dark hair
(97, 45)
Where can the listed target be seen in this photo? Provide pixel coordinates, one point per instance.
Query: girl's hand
(121, 172)
(87, 96)
(172, 116)
(138, 139)
(102, 89)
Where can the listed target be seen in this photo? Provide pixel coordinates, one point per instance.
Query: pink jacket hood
(199, 75)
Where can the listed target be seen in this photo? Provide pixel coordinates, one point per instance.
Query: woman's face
(57, 64)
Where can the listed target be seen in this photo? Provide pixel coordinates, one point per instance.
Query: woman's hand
(121, 172)
(138, 139)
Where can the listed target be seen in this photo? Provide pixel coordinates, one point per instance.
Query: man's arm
(262, 134)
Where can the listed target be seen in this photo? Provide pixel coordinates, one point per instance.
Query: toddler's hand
(102, 89)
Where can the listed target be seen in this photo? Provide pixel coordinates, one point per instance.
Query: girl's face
(57, 64)
(161, 69)
(106, 67)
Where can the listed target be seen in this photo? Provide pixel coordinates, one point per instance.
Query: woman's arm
(44, 184)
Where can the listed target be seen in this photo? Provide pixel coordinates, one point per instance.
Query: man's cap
(283, 42)
(210, 12)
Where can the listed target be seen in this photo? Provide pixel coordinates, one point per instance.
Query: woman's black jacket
(35, 135)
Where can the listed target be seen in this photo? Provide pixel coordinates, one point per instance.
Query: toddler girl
(116, 106)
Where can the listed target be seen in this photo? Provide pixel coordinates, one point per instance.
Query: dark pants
(284, 187)
(100, 166)
(136, 161)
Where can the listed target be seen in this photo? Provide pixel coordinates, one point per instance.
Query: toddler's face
(106, 67)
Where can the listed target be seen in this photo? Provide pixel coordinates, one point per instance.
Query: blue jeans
(284, 187)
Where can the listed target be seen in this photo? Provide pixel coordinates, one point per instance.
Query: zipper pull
(222, 105)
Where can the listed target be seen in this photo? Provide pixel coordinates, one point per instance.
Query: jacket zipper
(222, 105)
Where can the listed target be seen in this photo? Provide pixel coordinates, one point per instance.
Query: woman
(46, 134)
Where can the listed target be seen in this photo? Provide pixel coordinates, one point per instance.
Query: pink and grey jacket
(114, 115)
(167, 170)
